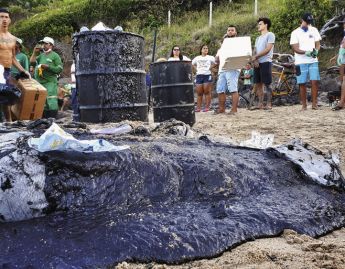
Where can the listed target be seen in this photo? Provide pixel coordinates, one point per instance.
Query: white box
(235, 53)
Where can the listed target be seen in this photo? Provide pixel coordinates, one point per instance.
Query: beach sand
(323, 129)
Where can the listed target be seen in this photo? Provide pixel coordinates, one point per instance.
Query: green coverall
(48, 77)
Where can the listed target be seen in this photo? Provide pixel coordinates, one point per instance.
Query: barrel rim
(105, 32)
(173, 62)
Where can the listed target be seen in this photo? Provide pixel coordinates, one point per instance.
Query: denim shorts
(201, 79)
(308, 72)
(228, 81)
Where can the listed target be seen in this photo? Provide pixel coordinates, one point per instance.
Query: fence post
(210, 18)
(169, 18)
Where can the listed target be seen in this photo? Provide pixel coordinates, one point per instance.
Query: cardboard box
(32, 100)
(235, 53)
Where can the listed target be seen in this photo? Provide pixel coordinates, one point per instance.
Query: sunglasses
(176, 49)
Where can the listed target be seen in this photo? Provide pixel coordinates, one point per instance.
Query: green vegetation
(61, 18)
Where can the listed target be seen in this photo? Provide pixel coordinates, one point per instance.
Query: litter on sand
(57, 139)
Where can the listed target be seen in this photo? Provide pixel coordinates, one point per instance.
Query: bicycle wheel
(290, 91)
(276, 80)
(243, 101)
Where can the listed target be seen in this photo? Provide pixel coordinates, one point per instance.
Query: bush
(288, 19)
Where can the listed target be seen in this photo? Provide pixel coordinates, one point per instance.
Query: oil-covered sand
(325, 130)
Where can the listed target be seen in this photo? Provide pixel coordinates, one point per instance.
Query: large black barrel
(172, 91)
(110, 76)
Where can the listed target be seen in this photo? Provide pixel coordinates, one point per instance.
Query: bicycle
(284, 83)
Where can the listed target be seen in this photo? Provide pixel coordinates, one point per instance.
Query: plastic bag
(258, 141)
(57, 139)
(122, 129)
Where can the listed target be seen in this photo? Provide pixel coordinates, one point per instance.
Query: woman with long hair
(204, 82)
(176, 55)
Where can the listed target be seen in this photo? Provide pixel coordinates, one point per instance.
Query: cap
(19, 40)
(308, 18)
(47, 40)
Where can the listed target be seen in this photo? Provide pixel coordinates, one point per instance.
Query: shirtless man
(8, 52)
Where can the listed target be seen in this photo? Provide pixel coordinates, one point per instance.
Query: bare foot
(216, 112)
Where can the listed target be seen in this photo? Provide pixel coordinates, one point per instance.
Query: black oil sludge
(110, 76)
(172, 91)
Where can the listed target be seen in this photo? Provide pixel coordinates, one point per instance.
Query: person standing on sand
(227, 80)
(176, 55)
(262, 60)
(49, 66)
(341, 63)
(21, 58)
(204, 82)
(8, 53)
(305, 42)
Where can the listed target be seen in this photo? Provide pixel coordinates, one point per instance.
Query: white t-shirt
(2, 77)
(306, 41)
(184, 58)
(203, 64)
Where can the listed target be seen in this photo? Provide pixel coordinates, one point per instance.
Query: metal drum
(172, 91)
(110, 76)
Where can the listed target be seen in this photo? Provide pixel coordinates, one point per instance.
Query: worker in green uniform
(21, 58)
(48, 67)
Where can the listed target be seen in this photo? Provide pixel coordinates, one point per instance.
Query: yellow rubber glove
(40, 71)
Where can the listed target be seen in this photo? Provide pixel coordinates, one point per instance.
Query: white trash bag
(258, 141)
(57, 139)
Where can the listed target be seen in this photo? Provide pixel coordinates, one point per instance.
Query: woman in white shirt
(204, 82)
(176, 55)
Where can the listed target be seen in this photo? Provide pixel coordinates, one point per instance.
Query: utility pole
(210, 18)
(169, 18)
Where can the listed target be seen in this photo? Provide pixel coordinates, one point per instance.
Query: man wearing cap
(21, 58)
(305, 41)
(49, 66)
(7, 53)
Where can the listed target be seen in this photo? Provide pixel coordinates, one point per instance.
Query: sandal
(206, 110)
(337, 108)
(197, 110)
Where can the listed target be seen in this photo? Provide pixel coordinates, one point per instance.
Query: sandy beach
(323, 129)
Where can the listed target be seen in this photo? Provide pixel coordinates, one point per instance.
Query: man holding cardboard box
(227, 78)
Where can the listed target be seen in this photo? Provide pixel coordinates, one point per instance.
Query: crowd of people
(45, 65)
(257, 73)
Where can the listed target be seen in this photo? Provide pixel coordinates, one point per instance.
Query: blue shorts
(201, 79)
(228, 81)
(308, 72)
